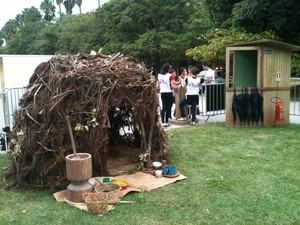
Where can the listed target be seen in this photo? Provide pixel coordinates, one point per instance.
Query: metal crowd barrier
(212, 100)
(295, 97)
(9, 103)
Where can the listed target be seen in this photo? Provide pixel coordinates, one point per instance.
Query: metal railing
(212, 99)
(295, 97)
(9, 103)
(10, 98)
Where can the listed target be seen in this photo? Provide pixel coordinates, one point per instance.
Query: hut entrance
(122, 159)
(124, 140)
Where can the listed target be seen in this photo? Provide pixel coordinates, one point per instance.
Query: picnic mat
(138, 182)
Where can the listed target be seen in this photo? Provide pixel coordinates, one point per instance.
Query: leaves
(153, 31)
(214, 50)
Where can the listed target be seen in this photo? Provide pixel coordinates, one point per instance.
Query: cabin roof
(267, 43)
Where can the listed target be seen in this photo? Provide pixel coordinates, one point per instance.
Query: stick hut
(110, 100)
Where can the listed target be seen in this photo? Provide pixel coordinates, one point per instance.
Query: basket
(114, 190)
(97, 203)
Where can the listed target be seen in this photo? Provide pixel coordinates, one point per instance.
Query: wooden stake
(71, 135)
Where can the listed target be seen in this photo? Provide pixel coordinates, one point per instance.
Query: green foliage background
(154, 31)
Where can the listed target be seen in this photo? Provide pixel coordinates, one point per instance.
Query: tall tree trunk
(69, 5)
(79, 3)
(58, 2)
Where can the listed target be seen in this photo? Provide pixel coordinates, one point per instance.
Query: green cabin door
(246, 69)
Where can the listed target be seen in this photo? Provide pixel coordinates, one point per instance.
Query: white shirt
(192, 87)
(164, 82)
(210, 73)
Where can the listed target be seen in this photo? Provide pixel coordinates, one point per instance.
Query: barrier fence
(295, 97)
(9, 103)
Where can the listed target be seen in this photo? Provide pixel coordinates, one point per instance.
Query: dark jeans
(167, 102)
(192, 100)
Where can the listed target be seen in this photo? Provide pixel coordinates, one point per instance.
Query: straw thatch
(110, 100)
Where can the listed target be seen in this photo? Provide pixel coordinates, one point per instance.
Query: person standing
(183, 75)
(189, 73)
(179, 90)
(192, 83)
(173, 88)
(209, 75)
(165, 83)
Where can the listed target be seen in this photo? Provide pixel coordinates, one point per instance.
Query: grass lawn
(235, 176)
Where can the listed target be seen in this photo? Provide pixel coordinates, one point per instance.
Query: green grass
(235, 176)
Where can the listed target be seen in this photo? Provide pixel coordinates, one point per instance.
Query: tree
(281, 16)
(214, 50)
(295, 63)
(46, 41)
(28, 15)
(12, 28)
(58, 2)
(125, 25)
(220, 12)
(79, 3)
(69, 5)
(77, 34)
(48, 9)
(23, 41)
(153, 46)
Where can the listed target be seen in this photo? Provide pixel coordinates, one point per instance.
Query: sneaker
(192, 123)
(166, 125)
(182, 119)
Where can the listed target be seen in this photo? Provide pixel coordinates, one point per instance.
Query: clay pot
(148, 164)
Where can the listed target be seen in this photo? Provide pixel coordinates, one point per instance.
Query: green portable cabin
(265, 65)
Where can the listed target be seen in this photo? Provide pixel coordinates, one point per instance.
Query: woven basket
(113, 191)
(97, 203)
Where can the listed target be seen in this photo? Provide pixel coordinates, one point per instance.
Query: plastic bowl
(157, 165)
(122, 183)
(158, 173)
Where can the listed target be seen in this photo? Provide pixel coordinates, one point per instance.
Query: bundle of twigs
(101, 95)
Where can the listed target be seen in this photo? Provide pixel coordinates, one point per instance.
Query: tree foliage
(76, 34)
(214, 50)
(48, 9)
(46, 42)
(24, 41)
(220, 12)
(150, 30)
(153, 31)
(281, 16)
(69, 5)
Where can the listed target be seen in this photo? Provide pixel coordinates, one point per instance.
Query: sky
(9, 9)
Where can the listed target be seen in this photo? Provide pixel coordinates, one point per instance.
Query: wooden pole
(71, 135)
